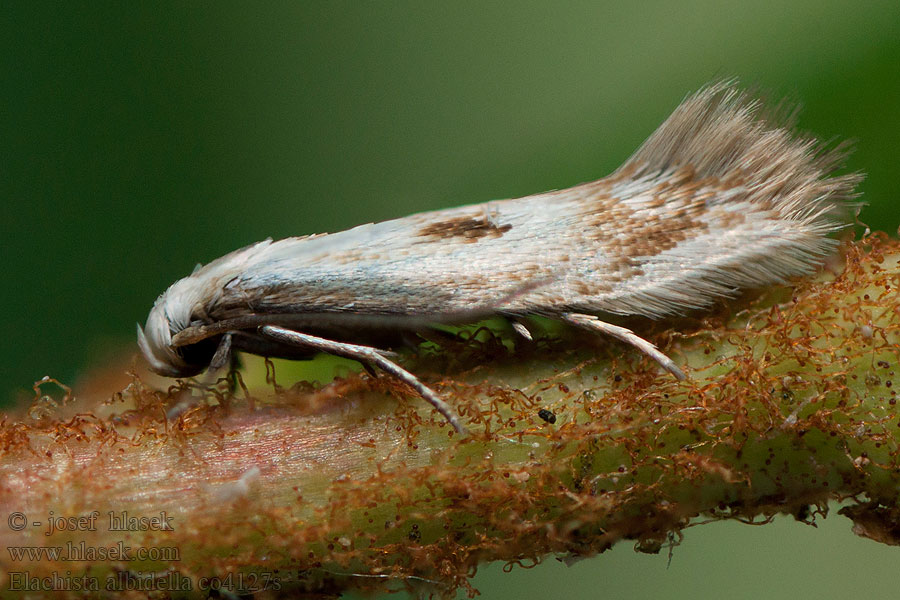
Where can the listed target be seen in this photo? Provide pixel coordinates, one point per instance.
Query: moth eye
(200, 353)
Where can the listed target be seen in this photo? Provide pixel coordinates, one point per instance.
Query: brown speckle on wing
(645, 231)
(351, 256)
(468, 228)
(722, 197)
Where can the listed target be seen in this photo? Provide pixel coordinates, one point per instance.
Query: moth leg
(369, 368)
(436, 336)
(365, 354)
(222, 355)
(626, 335)
(521, 329)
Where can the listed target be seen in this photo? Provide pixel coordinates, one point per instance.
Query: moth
(722, 196)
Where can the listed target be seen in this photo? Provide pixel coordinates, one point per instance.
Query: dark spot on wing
(673, 214)
(468, 228)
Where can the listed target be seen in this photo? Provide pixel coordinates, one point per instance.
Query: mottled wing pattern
(722, 196)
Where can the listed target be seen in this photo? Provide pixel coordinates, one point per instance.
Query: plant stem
(790, 403)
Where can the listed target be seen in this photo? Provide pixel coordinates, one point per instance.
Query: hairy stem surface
(790, 403)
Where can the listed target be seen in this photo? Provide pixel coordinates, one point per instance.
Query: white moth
(722, 196)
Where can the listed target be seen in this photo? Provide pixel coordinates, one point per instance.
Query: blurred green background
(141, 138)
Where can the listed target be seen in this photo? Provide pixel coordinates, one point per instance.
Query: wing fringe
(780, 182)
(726, 133)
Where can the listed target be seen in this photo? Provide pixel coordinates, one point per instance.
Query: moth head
(172, 312)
